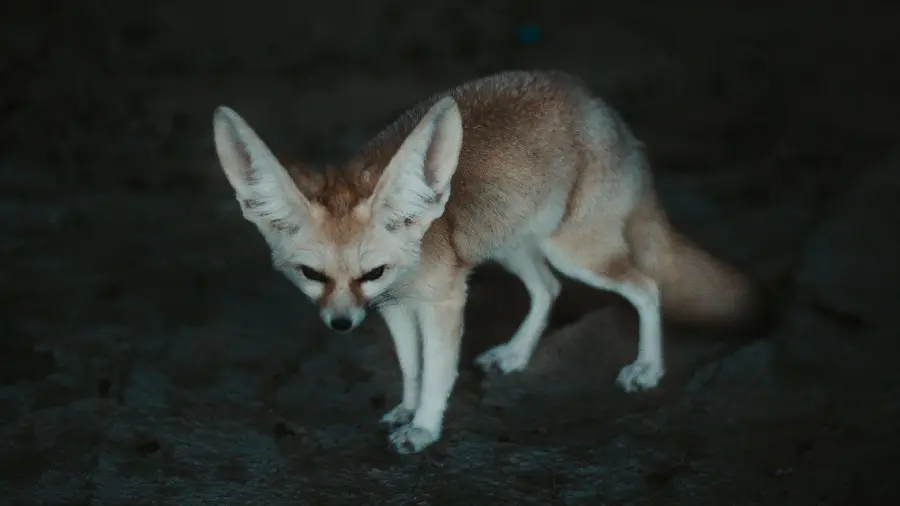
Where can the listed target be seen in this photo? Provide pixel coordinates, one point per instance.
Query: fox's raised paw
(640, 376)
(504, 358)
(411, 439)
(395, 418)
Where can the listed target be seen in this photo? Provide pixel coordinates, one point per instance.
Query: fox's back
(526, 141)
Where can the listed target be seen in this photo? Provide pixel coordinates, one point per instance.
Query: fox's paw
(411, 439)
(397, 417)
(640, 376)
(503, 357)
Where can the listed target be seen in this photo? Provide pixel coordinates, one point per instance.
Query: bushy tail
(695, 285)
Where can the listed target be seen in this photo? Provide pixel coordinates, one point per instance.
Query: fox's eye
(373, 274)
(312, 274)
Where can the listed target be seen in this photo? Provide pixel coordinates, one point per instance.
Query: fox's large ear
(415, 185)
(268, 196)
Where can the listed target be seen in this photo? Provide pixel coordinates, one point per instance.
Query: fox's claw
(411, 439)
(640, 376)
(503, 357)
(395, 418)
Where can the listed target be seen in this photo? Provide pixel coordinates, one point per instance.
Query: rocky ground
(151, 356)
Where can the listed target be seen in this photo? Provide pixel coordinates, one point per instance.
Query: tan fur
(695, 285)
(524, 168)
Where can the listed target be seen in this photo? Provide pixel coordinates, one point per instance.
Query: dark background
(149, 355)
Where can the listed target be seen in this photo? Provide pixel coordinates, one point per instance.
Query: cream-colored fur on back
(527, 169)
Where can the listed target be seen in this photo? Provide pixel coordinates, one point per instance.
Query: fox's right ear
(267, 195)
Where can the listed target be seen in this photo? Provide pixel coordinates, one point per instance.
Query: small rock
(284, 428)
(147, 447)
(103, 388)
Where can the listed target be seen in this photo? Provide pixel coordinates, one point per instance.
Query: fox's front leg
(442, 328)
(401, 320)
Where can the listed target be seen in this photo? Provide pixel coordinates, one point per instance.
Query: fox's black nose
(340, 324)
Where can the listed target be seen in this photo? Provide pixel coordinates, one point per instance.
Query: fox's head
(350, 244)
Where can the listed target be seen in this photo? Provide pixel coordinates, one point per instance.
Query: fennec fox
(523, 168)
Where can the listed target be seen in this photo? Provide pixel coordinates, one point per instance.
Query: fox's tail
(695, 286)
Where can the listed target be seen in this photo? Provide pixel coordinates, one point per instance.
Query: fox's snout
(342, 307)
(340, 323)
(343, 320)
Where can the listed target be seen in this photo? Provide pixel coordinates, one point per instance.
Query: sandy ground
(150, 355)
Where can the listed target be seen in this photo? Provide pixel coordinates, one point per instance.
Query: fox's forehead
(338, 245)
(338, 191)
(343, 231)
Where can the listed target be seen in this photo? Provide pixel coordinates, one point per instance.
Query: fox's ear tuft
(267, 195)
(415, 185)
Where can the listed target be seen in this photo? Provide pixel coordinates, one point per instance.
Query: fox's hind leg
(598, 256)
(528, 264)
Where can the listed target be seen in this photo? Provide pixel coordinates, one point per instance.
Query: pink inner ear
(430, 159)
(441, 148)
(433, 155)
(244, 156)
(240, 151)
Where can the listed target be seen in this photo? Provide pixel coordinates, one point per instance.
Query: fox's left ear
(415, 185)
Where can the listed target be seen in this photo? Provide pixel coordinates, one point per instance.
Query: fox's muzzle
(343, 321)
